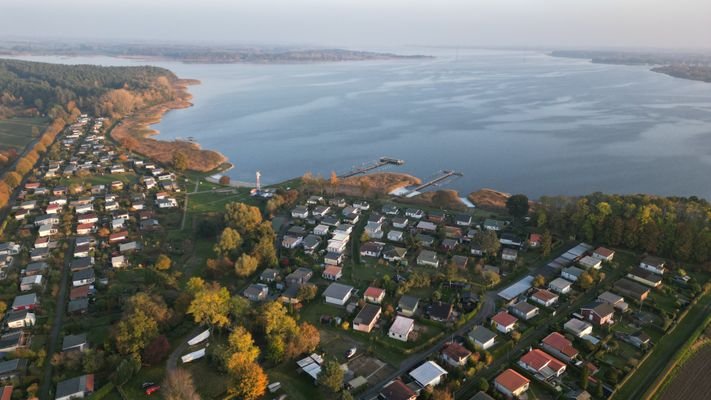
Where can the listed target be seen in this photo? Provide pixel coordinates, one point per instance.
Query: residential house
(11, 370)
(129, 247)
(578, 327)
(494, 225)
(300, 276)
(256, 292)
(374, 295)
(603, 254)
(653, 264)
(425, 240)
(332, 258)
(429, 374)
(80, 292)
(541, 364)
(535, 240)
(614, 300)
(29, 282)
(394, 254)
(560, 347)
(460, 261)
(366, 318)
(428, 258)
(83, 277)
(75, 388)
(78, 306)
(401, 328)
(300, 212)
(81, 264)
(631, 290)
(449, 244)
(511, 240)
(511, 384)
(455, 354)
(482, 337)
(509, 254)
(395, 236)
(338, 294)
(504, 322)
(571, 273)
(440, 311)
(645, 277)
(462, 219)
(291, 241)
(118, 237)
(524, 310)
(269, 275)
(414, 213)
(407, 305)
(598, 313)
(321, 211)
(426, 226)
(314, 200)
(397, 390)
(560, 285)
(20, 319)
(119, 262)
(371, 249)
(25, 302)
(12, 341)
(544, 297)
(75, 342)
(321, 230)
(400, 222)
(374, 230)
(36, 268)
(332, 273)
(589, 262)
(389, 209)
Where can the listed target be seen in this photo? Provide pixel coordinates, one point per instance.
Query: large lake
(516, 121)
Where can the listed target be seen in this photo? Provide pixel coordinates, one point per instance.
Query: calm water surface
(514, 121)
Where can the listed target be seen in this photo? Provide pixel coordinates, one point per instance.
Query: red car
(152, 389)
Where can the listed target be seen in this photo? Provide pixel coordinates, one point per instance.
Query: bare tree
(178, 385)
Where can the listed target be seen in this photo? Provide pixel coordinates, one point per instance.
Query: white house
(395, 236)
(401, 328)
(560, 285)
(482, 337)
(338, 293)
(428, 374)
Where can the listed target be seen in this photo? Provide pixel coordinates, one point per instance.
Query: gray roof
(24, 300)
(408, 302)
(74, 385)
(338, 290)
(12, 365)
(78, 304)
(71, 341)
(367, 314)
(83, 274)
(481, 334)
(38, 266)
(481, 396)
(427, 255)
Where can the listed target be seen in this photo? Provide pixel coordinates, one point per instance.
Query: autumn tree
(211, 306)
(134, 333)
(178, 385)
(180, 161)
(13, 179)
(240, 341)
(265, 252)
(230, 240)
(442, 394)
(156, 350)
(247, 379)
(246, 265)
(331, 376)
(163, 263)
(224, 180)
(307, 292)
(152, 305)
(305, 340)
(242, 217)
(517, 206)
(585, 280)
(333, 181)
(539, 281)
(488, 242)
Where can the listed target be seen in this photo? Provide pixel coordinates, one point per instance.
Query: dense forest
(672, 227)
(98, 89)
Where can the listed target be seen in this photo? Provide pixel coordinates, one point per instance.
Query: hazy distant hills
(201, 54)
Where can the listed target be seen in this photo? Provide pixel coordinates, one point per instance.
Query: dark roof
(367, 314)
(80, 384)
(10, 366)
(481, 396)
(71, 341)
(441, 311)
(600, 308)
(408, 302)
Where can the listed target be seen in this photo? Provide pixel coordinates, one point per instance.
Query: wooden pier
(374, 165)
(444, 175)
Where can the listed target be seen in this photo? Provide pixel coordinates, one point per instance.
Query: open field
(690, 382)
(17, 132)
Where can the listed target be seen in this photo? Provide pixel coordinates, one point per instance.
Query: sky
(677, 24)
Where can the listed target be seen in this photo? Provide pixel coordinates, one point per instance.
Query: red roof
(79, 292)
(604, 252)
(6, 393)
(118, 235)
(455, 351)
(535, 238)
(538, 359)
(557, 341)
(511, 380)
(90, 383)
(332, 270)
(374, 292)
(504, 319)
(396, 390)
(544, 295)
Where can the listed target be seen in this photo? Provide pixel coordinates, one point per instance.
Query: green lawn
(17, 132)
(128, 178)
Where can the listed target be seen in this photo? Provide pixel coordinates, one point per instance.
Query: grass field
(665, 350)
(17, 132)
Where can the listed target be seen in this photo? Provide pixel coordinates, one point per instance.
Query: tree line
(671, 227)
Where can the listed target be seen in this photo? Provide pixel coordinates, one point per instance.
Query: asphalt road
(57, 323)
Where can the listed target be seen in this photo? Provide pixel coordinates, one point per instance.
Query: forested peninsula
(134, 95)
